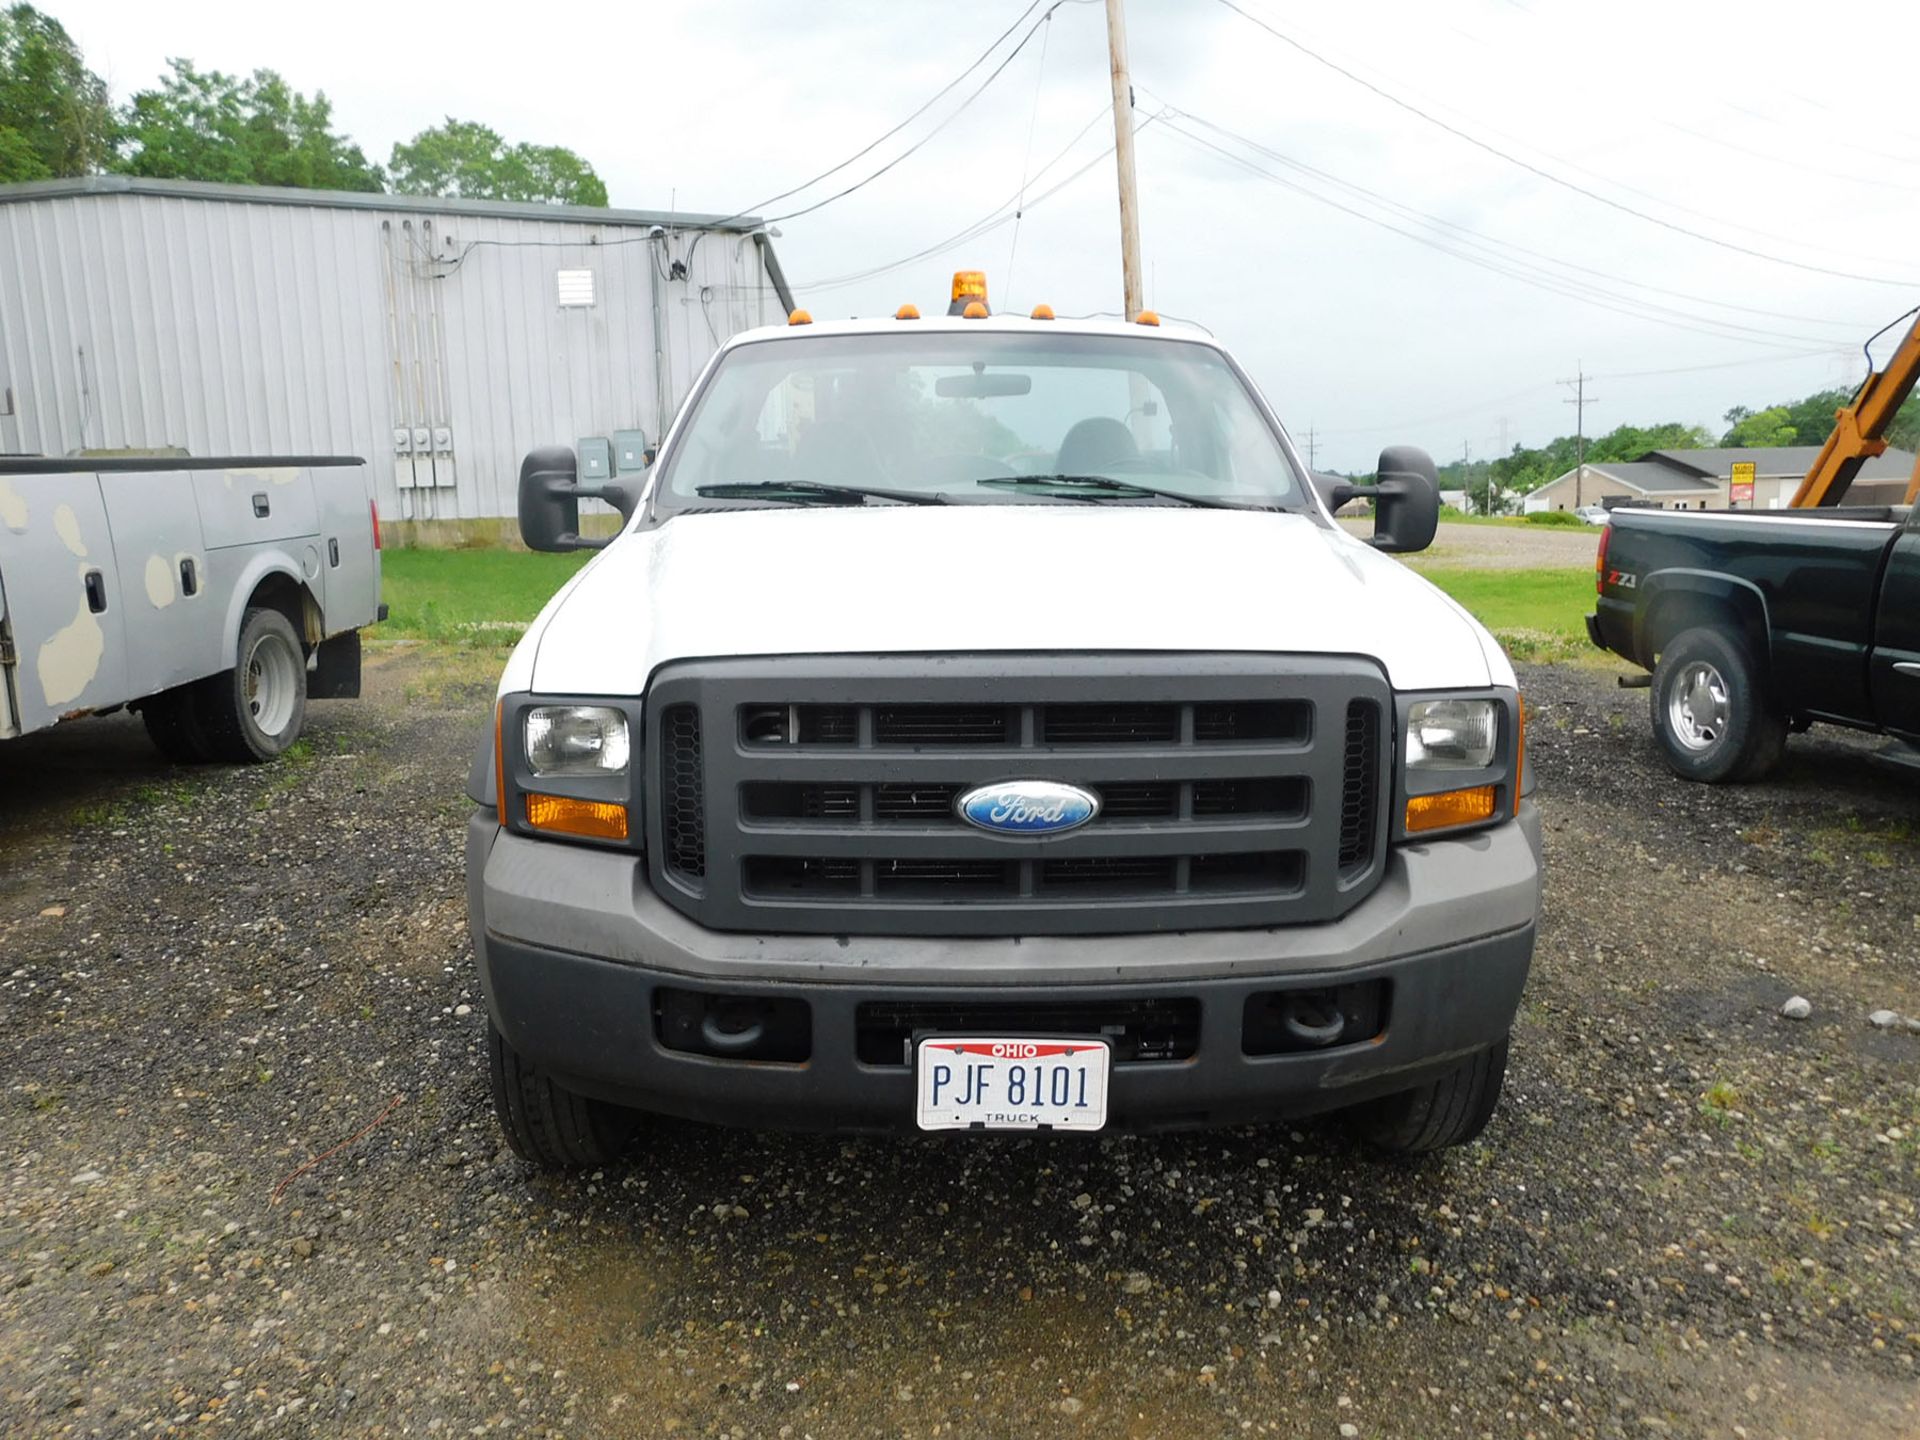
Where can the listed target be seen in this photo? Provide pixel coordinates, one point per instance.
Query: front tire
(254, 711)
(1710, 713)
(1449, 1111)
(546, 1124)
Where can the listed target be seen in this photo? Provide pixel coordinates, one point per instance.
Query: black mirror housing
(550, 496)
(1406, 499)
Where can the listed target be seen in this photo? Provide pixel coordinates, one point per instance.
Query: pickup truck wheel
(173, 724)
(547, 1125)
(254, 711)
(1449, 1111)
(1709, 712)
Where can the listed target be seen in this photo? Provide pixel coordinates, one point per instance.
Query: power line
(1797, 242)
(874, 144)
(998, 216)
(1026, 159)
(1475, 236)
(1525, 273)
(1548, 175)
(958, 110)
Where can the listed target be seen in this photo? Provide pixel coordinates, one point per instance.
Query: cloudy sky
(1385, 274)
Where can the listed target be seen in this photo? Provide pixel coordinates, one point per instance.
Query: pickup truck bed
(1757, 622)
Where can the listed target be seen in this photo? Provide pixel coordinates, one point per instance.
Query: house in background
(1701, 479)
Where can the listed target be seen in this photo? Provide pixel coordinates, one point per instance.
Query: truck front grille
(820, 794)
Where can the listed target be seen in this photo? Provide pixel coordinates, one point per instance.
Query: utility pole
(1501, 452)
(1466, 473)
(1313, 451)
(1123, 158)
(1580, 401)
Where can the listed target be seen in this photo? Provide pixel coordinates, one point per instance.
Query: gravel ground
(1502, 547)
(1691, 1217)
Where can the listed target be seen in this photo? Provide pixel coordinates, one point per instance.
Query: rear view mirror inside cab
(981, 386)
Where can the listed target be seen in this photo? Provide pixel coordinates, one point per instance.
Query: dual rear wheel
(242, 716)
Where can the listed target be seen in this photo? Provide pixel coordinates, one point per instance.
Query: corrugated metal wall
(231, 327)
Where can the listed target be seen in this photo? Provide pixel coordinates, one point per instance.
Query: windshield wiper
(813, 492)
(1104, 487)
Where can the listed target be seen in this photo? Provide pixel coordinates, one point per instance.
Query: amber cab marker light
(1450, 808)
(974, 311)
(800, 317)
(907, 312)
(1147, 317)
(1042, 312)
(593, 819)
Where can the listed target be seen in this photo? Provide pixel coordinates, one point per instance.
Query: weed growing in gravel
(1720, 1098)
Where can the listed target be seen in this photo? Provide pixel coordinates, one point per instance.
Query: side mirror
(1406, 499)
(550, 496)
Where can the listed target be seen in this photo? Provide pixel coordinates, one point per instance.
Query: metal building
(440, 339)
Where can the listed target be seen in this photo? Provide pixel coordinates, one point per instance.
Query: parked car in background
(1758, 622)
(981, 723)
(213, 596)
(1593, 514)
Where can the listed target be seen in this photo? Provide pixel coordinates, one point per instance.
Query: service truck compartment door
(245, 507)
(1895, 665)
(172, 623)
(64, 599)
(349, 566)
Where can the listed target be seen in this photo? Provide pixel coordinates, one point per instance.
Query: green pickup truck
(1760, 623)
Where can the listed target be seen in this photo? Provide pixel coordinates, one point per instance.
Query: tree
(55, 119)
(471, 160)
(1769, 427)
(205, 125)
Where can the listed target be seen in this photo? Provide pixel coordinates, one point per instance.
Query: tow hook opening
(734, 1027)
(1287, 1022)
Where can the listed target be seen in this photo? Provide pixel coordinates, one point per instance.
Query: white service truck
(215, 596)
(981, 723)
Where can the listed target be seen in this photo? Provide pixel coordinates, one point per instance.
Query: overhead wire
(1475, 237)
(1026, 159)
(945, 121)
(993, 219)
(1545, 174)
(1516, 270)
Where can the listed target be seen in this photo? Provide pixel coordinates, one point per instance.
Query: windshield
(962, 415)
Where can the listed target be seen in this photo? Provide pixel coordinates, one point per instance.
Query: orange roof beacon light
(907, 312)
(1147, 317)
(1042, 312)
(799, 317)
(969, 288)
(974, 311)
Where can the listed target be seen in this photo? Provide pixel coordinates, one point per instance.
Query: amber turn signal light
(591, 819)
(1450, 808)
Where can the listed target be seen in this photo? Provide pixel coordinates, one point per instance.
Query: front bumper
(572, 947)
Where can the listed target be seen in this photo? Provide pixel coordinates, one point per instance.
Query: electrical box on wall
(629, 451)
(403, 457)
(596, 458)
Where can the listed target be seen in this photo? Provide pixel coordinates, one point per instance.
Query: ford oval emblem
(1028, 807)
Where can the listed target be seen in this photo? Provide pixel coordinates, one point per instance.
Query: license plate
(983, 1083)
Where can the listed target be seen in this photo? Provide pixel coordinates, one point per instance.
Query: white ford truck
(981, 723)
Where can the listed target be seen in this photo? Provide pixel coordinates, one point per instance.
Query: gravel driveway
(1691, 1216)
(1502, 547)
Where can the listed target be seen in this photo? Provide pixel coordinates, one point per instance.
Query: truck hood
(927, 579)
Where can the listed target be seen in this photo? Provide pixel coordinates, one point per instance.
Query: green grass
(482, 597)
(1536, 614)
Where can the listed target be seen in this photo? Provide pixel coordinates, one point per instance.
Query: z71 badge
(1621, 580)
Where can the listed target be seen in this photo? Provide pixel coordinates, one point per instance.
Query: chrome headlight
(576, 740)
(1452, 734)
